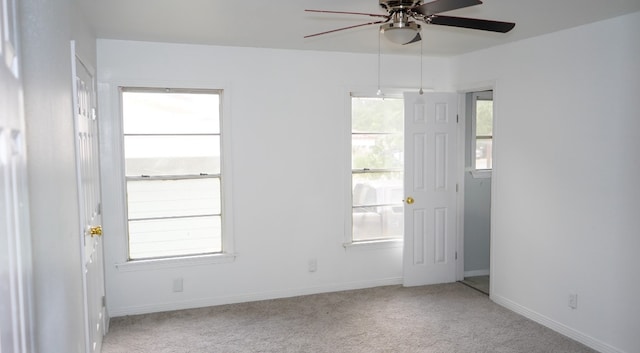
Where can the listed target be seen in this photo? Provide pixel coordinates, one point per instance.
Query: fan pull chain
(379, 93)
(421, 91)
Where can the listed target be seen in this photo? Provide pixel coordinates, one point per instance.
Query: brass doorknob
(95, 231)
(410, 200)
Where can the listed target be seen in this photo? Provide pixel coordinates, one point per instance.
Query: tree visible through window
(172, 144)
(377, 162)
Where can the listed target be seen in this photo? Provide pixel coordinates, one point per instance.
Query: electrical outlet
(177, 285)
(313, 265)
(573, 301)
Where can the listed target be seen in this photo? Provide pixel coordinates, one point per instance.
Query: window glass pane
(172, 133)
(377, 188)
(170, 113)
(371, 223)
(484, 153)
(377, 151)
(484, 118)
(172, 237)
(377, 114)
(173, 198)
(377, 143)
(171, 155)
(378, 207)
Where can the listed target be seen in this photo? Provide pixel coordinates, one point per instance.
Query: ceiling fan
(399, 24)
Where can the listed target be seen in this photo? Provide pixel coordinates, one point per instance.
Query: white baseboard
(476, 273)
(199, 303)
(556, 326)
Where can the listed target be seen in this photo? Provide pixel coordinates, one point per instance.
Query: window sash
(479, 96)
(380, 217)
(194, 233)
(173, 177)
(167, 198)
(164, 238)
(157, 154)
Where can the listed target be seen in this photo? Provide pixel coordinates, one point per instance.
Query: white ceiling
(283, 23)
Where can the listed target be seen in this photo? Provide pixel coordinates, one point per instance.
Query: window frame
(226, 254)
(348, 242)
(475, 172)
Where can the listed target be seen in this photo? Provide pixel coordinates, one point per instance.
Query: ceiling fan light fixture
(400, 33)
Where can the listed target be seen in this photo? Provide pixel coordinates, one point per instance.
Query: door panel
(88, 175)
(16, 277)
(430, 188)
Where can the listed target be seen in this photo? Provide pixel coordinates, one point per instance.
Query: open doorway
(477, 189)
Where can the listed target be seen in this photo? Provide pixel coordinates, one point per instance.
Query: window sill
(481, 174)
(374, 244)
(156, 264)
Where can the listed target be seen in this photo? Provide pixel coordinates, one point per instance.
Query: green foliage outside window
(484, 118)
(377, 126)
(377, 115)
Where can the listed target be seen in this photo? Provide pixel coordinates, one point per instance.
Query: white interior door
(16, 334)
(88, 170)
(430, 188)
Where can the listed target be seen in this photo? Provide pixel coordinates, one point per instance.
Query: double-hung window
(377, 168)
(482, 130)
(172, 152)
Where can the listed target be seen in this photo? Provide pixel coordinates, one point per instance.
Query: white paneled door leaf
(430, 188)
(88, 175)
(16, 278)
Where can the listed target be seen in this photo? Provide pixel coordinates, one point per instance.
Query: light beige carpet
(446, 318)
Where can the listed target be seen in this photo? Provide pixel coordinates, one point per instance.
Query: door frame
(462, 147)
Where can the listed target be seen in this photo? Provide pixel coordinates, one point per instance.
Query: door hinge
(456, 257)
(457, 118)
(457, 187)
(104, 298)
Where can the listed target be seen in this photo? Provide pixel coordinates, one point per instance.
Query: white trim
(112, 135)
(347, 236)
(266, 295)
(374, 244)
(460, 177)
(494, 173)
(386, 92)
(155, 264)
(555, 325)
(474, 273)
(481, 173)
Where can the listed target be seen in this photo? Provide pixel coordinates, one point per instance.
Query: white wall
(566, 201)
(46, 29)
(289, 141)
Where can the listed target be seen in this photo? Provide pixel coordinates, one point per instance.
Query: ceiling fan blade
(437, 6)
(415, 39)
(349, 13)
(349, 27)
(472, 23)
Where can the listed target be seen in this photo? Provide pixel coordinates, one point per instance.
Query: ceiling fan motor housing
(398, 5)
(401, 30)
